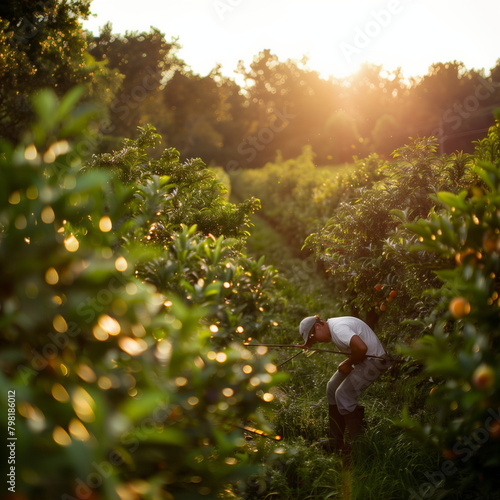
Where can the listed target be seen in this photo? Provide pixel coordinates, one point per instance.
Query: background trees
(143, 61)
(277, 106)
(43, 45)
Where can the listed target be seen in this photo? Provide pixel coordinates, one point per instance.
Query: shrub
(121, 340)
(363, 245)
(461, 351)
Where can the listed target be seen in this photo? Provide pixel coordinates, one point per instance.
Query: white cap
(305, 326)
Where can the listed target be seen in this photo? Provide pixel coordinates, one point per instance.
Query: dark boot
(354, 422)
(336, 427)
(354, 427)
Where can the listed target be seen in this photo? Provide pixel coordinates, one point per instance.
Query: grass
(387, 465)
(388, 462)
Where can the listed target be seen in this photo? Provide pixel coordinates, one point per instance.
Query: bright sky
(336, 35)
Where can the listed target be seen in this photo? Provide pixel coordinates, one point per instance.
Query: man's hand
(345, 367)
(358, 352)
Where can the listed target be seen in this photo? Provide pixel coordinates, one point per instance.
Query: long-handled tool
(305, 348)
(289, 359)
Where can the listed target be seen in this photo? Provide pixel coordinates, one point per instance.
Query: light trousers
(344, 390)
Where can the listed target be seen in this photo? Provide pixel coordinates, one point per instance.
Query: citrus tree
(122, 327)
(363, 244)
(460, 352)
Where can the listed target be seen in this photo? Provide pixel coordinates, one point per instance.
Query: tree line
(412, 246)
(127, 294)
(281, 106)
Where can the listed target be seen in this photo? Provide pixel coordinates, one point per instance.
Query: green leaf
(487, 177)
(45, 103)
(446, 275)
(69, 101)
(453, 201)
(137, 409)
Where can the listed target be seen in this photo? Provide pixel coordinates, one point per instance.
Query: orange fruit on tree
(459, 307)
(495, 429)
(483, 377)
(490, 242)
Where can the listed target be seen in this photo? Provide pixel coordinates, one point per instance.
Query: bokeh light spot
(78, 430)
(121, 264)
(83, 405)
(51, 276)
(86, 373)
(48, 215)
(60, 436)
(221, 357)
(105, 224)
(59, 324)
(60, 393)
(30, 153)
(109, 324)
(228, 392)
(71, 243)
(14, 198)
(132, 346)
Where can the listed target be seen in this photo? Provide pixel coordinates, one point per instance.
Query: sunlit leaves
(126, 329)
(462, 351)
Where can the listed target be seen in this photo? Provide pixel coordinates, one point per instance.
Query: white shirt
(344, 328)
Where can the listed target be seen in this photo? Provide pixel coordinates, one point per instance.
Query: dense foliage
(277, 105)
(122, 327)
(417, 249)
(363, 246)
(128, 283)
(42, 45)
(461, 350)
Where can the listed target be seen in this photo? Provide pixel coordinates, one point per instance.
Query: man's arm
(358, 352)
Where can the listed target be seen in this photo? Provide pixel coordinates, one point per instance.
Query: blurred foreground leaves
(124, 299)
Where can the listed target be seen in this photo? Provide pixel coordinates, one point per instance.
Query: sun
(337, 36)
